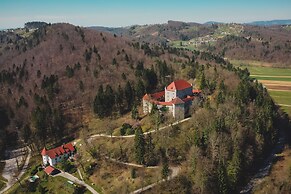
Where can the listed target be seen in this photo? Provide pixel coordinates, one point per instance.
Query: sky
(115, 13)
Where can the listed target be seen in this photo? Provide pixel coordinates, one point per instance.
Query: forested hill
(49, 77)
(54, 77)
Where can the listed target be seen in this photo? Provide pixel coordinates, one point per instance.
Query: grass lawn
(287, 110)
(282, 94)
(262, 68)
(51, 185)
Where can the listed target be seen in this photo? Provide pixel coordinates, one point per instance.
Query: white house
(55, 155)
(177, 97)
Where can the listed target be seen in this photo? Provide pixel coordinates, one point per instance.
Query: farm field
(277, 80)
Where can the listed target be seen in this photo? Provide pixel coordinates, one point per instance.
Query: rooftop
(53, 153)
(179, 85)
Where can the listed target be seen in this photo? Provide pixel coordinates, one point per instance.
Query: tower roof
(179, 85)
(43, 152)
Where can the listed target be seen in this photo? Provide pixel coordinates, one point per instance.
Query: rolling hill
(269, 43)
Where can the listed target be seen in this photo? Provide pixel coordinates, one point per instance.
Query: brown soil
(270, 82)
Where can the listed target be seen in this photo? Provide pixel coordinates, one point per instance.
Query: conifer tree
(139, 145)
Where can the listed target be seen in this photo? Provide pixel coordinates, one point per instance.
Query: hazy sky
(14, 13)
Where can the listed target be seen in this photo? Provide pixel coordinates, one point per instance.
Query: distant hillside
(161, 33)
(269, 44)
(235, 41)
(270, 23)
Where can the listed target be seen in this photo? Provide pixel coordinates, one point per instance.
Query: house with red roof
(55, 155)
(177, 97)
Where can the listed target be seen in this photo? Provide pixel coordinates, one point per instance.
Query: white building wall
(45, 159)
(169, 95)
(54, 161)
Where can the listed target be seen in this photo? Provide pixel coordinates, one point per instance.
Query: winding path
(130, 136)
(76, 180)
(175, 172)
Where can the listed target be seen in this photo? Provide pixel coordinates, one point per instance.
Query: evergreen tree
(222, 179)
(108, 100)
(203, 83)
(150, 156)
(134, 112)
(129, 95)
(139, 145)
(140, 90)
(165, 162)
(99, 102)
(234, 169)
(219, 98)
(119, 99)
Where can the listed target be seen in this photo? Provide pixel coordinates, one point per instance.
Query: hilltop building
(177, 97)
(55, 155)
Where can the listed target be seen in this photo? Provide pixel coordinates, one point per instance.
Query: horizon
(14, 14)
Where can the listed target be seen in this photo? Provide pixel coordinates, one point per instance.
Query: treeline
(108, 101)
(35, 24)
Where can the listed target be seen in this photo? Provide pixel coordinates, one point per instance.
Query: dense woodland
(230, 131)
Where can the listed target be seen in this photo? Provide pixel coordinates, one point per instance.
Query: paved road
(76, 180)
(129, 136)
(11, 167)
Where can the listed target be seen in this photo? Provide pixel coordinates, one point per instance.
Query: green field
(258, 71)
(272, 78)
(281, 96)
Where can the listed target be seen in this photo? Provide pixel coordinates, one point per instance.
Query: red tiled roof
(179, 85)
(146, 97)
(177, 100)
(154, 96)
(165, 103)
(49, 169)
(43, 152)
(53, 153)
(158, 95)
